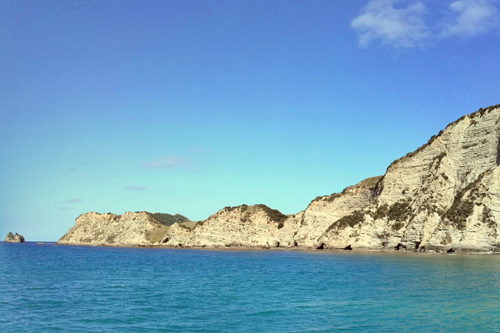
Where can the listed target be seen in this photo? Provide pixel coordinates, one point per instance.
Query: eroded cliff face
(445, 196)
(442, 197)
(129, 229)
(242, 226)
(323, 211)
(263, 227)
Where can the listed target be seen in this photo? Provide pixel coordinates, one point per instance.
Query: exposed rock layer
(129, 229)
(445, 196)
(14, 238)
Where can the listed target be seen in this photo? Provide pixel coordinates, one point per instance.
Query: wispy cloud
(470, 17)
(198, 149)
(400, 23)
(137, 188)
(398, 26)
(73, 201)
(171, 161)
(65, 208)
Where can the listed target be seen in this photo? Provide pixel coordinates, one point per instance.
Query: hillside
(168, 219)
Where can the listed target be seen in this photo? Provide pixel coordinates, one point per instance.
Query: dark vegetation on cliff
(168, 219)
(463, 204)
(349, 220)
(246, 211)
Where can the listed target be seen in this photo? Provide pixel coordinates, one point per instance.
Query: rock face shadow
(498, 152)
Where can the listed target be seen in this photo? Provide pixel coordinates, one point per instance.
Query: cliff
(129, 229)
(242, 226)
(442, 197)
(445, 196)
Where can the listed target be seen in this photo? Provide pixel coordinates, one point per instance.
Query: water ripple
(93, 289)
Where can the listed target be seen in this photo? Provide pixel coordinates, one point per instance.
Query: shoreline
(283, 249)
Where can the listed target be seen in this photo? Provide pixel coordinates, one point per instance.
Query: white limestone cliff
(242, 226)
(445, 196)
(129, 229)
(442, 197)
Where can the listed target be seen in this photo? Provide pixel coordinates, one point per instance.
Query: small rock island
(11, 238)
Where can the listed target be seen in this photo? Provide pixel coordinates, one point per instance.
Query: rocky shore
(443, 197)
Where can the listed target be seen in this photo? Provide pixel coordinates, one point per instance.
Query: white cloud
(470, 18)
(171, 161)
(72, 201)
(136, 188)
(400, 23)
(400, 26)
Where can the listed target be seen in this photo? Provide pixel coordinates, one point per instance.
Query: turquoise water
(98, 289)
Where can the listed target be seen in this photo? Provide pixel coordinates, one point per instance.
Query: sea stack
(11, 238)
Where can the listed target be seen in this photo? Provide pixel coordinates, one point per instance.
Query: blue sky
(189, 106)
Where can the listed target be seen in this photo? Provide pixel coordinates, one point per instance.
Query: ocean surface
(46, 288)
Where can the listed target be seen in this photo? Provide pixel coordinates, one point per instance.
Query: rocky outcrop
(129, 229)
(242, 226)
(323, 211)
(263, 227)
(443, 197)
(14, 238)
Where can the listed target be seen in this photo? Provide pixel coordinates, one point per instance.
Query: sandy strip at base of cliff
(292, 249)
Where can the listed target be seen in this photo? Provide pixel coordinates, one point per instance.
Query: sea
(55, 288)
